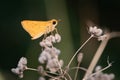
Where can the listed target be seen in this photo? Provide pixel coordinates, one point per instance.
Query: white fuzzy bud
(95, 31)
(80, 57)
(57, 37)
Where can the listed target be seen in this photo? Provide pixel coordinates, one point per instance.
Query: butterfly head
(54, 22)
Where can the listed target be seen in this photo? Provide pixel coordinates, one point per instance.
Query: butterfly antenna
(59, 20)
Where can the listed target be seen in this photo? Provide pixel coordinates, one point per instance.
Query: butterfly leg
(56, 30)
(52, 33)
(50, 30)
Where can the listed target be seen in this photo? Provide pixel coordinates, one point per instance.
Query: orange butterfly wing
(35, 28)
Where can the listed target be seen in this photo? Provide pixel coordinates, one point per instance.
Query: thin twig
(82, 68)
(76, 73)
(52, 73)
(79, 50)
(109, 65)
(31, 69)
(69, 76)
(56, 78)
(80, 56)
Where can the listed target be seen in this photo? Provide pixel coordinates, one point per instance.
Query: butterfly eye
(54, 22)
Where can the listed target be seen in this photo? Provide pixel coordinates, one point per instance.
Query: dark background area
(14, 40)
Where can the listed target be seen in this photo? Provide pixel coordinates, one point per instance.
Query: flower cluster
(101, 75)
(47, 42)
(95, 31)
(22, 65)
(49, 54)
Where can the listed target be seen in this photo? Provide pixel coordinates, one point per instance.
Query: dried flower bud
(98, 68)
(41, 70)
(23, 61)
(61, 62)
(105, 77)
(42, 43)
(18, 72)
(80, 57)
(57, 37)
(98, 32)
(47, 49)
(42, 59)
(48, 38)
(53, 65)
(21, 76)
(52, 38)
(112, 76)
(22, 65)
(55, 50)
(42, 78)
(101, 38)
(48, 43)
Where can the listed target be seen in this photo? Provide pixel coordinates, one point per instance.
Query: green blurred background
(75, 15)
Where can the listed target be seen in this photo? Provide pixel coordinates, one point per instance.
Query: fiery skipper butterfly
(37, 28)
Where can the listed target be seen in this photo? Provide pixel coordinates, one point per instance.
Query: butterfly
(38, 28)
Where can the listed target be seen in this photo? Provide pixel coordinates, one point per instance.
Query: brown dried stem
(99, 52)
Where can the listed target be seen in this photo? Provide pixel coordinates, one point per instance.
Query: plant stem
(80, 56)
(76, 73)
(79, 50)
(31, 69)
(99, 53)
(109, 65)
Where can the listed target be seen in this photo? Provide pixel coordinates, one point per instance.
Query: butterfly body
(37, 28)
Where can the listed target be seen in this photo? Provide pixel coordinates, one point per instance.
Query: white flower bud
(48, 38)
(112, 76)
(48, 43)
(101, 38)
(42, 43)
(53, 65)
(52, 38)
(55, 50)
(57, 37)
(61, 63)
(15, 70)
(18, 72)
(42, 59)
(98, 32)
(23, 60)
(98, 68)
(41, 78)
(80, 57)
(95, 31)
